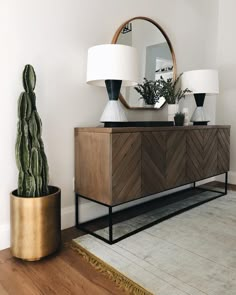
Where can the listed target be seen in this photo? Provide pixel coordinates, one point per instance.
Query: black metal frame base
(111, 240)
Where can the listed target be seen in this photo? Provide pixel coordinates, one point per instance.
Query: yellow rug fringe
(114, 275)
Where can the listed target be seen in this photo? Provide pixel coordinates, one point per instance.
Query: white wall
(54, 35)
(226, 58)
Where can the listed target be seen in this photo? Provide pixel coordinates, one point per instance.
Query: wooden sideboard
(116, 165)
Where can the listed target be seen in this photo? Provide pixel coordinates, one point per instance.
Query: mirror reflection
(156, 57)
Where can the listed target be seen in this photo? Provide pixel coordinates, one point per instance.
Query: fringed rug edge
(110, 272)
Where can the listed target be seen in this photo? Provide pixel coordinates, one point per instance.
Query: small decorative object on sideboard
(35, 206)
(148, 91)
(179, 119)
(170, 89)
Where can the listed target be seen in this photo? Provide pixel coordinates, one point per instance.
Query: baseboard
(4, 236)
(67, 217)
(232, 177)
(90, 210)
(87, 211)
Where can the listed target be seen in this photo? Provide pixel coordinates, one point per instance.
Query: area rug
(193, 253)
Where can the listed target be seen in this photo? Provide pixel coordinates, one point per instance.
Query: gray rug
(192, 253)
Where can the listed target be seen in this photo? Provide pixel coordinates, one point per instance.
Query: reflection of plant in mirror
(148, 91)
(171, 90)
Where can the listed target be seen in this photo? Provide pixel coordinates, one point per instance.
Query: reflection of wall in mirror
(145, 34)
(158, 58)
(164, 69)
(125, 39)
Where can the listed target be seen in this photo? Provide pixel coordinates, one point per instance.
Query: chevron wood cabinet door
(223, 150)
(126, 167)
(153, 162)
(195, 157)
(209, 152)
(176, 150)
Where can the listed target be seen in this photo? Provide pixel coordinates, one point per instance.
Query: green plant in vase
(148, 90)
(170, 89)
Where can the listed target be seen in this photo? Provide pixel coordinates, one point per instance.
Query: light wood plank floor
(63, 273)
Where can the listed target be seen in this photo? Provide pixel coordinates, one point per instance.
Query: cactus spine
(30, 156)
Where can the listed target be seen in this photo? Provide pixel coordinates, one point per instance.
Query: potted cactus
(35, 206)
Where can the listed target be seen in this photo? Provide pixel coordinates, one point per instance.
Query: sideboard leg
(76, 210)
(226, 183)
(110, 226)
(194, 184)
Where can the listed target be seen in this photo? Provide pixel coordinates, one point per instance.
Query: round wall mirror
(156, 57)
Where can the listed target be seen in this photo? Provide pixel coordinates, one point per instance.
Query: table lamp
(200, 83)
(111, 65)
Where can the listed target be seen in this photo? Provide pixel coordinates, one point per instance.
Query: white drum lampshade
(109, 65)
(200, 83)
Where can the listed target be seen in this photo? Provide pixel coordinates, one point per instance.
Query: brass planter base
(35, 225)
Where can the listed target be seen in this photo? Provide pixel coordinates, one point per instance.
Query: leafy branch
(149, 91)
(171, 90)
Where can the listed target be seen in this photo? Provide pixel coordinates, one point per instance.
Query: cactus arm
(33, 129)
(36, 162)
(39, 124)
(18, 146)
(21, 188)
(29, 78)
(45, 178)
(30, 186)
(22, 106)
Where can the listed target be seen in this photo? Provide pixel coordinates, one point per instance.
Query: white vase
(172, 110)
(186, 116)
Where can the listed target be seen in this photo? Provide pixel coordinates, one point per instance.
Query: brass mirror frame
(114, 40)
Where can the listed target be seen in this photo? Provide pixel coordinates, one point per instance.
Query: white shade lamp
(111, 65)
(200, 83)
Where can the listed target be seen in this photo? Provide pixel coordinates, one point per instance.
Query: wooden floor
(64, 273)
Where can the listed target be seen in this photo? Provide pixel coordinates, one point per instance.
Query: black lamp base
(200, 123)
(113, 111)
(113, 88)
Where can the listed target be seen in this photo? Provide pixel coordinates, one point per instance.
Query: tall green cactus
(30, 156)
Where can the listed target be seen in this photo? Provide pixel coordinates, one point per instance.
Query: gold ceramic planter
(35, 225)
